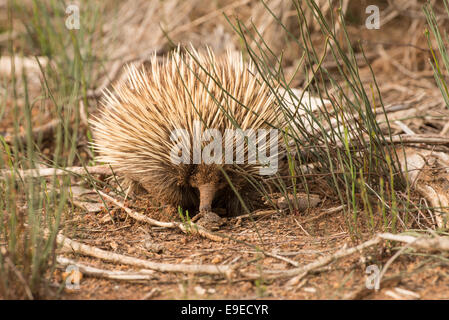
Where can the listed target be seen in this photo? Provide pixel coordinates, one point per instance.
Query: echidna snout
(207, 194)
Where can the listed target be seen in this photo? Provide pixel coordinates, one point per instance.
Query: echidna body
(134, 130)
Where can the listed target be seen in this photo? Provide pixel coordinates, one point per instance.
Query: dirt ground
(423, 274)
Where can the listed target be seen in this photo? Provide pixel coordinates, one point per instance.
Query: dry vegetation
(368, 183)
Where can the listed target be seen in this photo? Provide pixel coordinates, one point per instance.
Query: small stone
(131, 250)
(217, 259)
(106, 218)
(309, 290)
(247, 286)
(199, 290)
(153, 247)
(114, 245)
(210, 220)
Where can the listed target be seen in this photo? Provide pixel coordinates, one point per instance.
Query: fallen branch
(403, 139)
(419, 138)
(80, 248)
(321, 262)
(107, 274)
(427, 243)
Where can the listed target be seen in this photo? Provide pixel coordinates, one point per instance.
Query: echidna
(163, 110)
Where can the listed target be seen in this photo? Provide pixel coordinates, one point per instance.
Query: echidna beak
(207, 194)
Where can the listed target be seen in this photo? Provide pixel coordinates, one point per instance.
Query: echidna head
(208, 179)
